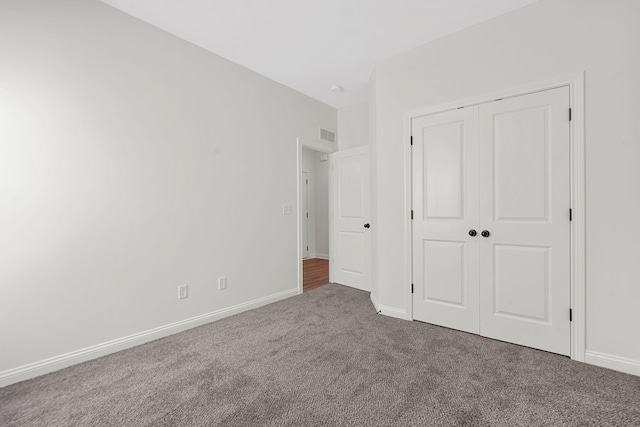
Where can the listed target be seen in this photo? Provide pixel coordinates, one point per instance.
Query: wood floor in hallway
(315, 273)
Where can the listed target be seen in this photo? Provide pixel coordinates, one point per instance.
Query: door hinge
(570, 315)
(411, 213)
(307, 182)
(412, 288)
(307, 247)
(307, 214)
(569, 114)
(570, 214)
(411, 141)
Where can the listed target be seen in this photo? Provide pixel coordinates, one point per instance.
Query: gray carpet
(324, 358)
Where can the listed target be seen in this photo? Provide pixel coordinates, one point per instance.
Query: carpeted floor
(324, 358)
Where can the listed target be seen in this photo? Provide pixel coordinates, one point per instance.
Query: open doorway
(314, 205)
(313, 214)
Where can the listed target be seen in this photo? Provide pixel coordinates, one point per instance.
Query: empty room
(336, 213)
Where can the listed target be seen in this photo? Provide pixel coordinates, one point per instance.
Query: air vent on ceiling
(327, 135)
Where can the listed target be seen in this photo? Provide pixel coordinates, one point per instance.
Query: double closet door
(491, 231)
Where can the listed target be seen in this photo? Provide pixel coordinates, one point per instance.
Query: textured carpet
(324, 358)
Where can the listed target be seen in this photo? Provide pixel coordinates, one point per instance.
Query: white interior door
(524, 183)
(501, 169)
(351, 213)
(445, 209)
(304, 204)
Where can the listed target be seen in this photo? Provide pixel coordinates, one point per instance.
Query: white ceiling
(311, 45)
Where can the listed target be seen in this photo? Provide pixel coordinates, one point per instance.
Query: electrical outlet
(222, 283)
(286, 209)
(183, 291)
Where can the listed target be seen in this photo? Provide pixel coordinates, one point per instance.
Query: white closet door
(445, 209)
(351, 192)
(524, 205)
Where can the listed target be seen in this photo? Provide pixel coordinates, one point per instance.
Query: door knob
(367, 225)
(485, 233)
(472, 233)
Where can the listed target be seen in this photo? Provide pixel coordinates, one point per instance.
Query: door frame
(304, 187)
(575, 82)
(322, 147)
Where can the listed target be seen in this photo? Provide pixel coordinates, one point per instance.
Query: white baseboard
(622, 364)
(321, 256)
(388, 311)
(55, 363)
(374, 301)
(392, 312)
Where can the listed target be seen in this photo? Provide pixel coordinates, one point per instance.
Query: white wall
(548, 39)
(353, 126)
(318, 203)
(132, 162)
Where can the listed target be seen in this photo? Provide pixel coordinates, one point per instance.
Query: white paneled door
(524, 205)
(445, 208)
(493, 179)
(351, 213)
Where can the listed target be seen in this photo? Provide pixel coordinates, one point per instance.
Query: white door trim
(324, 148)
(575, 82)
(304, 187)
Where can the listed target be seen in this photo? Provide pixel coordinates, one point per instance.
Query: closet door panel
(524, 206)
(445, 204)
